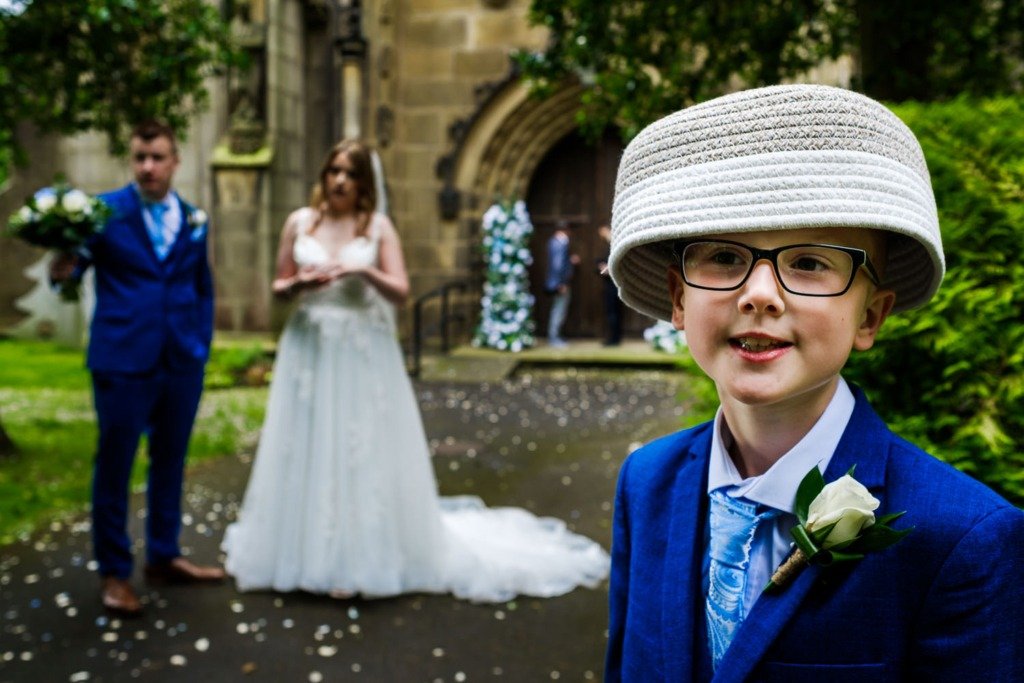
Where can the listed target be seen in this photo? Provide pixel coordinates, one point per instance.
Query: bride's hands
(303, 278)
(312, 276)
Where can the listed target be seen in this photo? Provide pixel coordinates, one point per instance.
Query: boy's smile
(758, 347)
(764, 346)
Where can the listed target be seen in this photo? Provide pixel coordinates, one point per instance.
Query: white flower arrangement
(663, 337)
(506, 322)
(61, 218)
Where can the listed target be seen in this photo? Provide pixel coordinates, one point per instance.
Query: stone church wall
(443, 51)
(429, 84)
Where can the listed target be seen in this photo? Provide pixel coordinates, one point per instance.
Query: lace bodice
(361, 251)
(309, 251)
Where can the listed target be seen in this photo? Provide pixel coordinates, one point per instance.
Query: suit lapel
(136, 224)
(682, 585)
(865, 443)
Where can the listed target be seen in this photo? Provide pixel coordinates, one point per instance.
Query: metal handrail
(446, 317)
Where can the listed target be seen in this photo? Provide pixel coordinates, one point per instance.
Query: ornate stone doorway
(517, 146)
(575, 182)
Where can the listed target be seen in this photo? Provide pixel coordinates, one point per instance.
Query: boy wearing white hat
(779, 227)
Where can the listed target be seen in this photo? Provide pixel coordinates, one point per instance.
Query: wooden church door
(575, 182)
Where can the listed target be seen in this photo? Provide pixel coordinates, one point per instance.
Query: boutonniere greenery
(837, 524)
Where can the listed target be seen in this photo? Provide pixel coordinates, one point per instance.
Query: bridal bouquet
(60, 218)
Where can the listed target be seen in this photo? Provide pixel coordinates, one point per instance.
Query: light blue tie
(734, 522)
(158, 234)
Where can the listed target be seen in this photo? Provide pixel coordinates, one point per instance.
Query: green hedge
(950, 376)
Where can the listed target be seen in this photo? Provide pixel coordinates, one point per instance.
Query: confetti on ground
(555, 445)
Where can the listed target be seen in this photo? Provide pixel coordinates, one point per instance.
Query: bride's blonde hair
(362, 173)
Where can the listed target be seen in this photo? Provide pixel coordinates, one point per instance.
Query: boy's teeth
(757, 344)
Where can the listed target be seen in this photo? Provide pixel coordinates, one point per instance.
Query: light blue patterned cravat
(734, 522)
(158, 235)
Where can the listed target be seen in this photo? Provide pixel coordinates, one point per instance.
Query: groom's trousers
(162, 404)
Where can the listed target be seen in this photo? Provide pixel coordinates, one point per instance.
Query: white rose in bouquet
(46, 202)
(76, 201)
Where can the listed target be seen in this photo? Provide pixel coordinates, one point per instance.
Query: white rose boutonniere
(198, 220)
(837, 524)
(847, 505)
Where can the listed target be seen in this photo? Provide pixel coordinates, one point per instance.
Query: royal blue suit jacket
(148, 312)
(944, 604)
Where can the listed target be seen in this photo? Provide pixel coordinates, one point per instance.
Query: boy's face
(763, 345)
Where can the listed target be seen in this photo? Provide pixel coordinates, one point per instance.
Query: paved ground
(547, 440)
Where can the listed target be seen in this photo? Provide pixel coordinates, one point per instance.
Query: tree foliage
(935, 51)
(6, 445)
(950, 376)
(642, 60)
(105, 65)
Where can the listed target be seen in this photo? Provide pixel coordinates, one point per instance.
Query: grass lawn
(46, 409)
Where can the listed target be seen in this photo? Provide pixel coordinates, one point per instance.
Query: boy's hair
(776, 158)
(151, 129)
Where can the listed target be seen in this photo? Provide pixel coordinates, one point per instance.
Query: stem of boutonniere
(793, 565)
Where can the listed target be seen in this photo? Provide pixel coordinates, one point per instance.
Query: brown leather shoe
(181, 570)
(119, 597)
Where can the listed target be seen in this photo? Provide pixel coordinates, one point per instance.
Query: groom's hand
(62, 266)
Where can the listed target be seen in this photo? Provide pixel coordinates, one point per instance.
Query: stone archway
(501, 150)
(508, 139)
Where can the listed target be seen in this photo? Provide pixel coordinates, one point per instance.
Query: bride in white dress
(342, 497)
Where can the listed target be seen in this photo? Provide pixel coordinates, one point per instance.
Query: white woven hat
(776, 158)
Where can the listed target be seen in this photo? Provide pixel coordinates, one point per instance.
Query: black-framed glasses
(804, 269)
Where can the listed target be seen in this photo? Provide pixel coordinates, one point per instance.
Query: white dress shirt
(171, 219)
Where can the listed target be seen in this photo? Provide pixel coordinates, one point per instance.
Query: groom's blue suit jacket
(944, 604)
(148, 312)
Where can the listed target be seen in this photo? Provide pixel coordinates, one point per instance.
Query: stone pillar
(247, 85)
(242, 249)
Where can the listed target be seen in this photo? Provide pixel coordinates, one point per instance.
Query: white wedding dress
(342, 496)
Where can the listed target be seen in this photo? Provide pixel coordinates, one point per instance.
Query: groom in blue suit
(779, 227)
(149, 343)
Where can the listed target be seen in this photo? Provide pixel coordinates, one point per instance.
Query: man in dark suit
(612, 302)
(149, 343)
